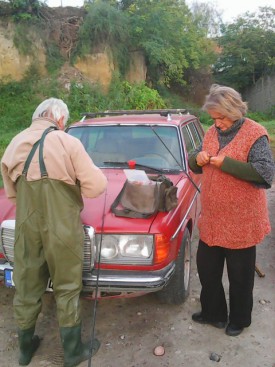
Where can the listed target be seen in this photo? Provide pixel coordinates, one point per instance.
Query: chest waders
(48, 243)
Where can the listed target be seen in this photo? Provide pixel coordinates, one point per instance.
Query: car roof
(159, 117)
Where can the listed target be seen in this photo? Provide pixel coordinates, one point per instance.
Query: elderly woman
(237, 166)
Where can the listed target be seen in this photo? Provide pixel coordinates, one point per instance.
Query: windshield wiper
(137, 165)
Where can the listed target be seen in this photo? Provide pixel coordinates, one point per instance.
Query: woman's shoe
(233, 330)
(197, 317)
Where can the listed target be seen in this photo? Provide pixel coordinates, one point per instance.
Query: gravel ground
(130, 329)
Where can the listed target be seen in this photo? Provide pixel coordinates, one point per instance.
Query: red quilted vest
(234, 212)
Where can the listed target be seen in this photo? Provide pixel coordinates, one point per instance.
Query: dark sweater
(260, 167)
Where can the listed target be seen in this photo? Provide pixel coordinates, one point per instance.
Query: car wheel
(177, 289)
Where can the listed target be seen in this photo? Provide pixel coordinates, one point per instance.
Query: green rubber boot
(28, 343)
(74, 350)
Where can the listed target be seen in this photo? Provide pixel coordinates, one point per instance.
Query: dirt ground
(130, 329)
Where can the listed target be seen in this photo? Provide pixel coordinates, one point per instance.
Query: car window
(199, 129)
(189, 144)
(156, 146)
(194, 133)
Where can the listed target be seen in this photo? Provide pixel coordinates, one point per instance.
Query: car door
(192, 136)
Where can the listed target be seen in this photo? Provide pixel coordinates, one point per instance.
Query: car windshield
(114, 145)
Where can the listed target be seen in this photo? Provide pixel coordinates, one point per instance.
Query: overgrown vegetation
(18, 100)
(105, 25)
(177, 41)
(172, 40)
(54, 58)
(23, 39)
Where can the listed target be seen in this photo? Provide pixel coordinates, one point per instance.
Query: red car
(132, 256)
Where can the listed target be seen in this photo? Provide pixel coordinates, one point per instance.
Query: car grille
(7, 240)
(7, 243)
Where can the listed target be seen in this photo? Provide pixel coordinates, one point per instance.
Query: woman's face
(221, 122)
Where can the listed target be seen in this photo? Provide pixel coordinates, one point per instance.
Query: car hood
(97, 212)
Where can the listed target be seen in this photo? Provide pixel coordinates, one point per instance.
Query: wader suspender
(40, 144)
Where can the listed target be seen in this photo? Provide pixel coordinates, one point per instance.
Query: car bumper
(121, 281)
(128, 281)
(4, 265)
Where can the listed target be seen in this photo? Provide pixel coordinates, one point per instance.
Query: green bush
(259, 116)
(85, 98)
(122, 95)
(203, 116)
(140, 97)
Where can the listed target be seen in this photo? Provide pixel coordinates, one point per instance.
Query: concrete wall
(261, 97)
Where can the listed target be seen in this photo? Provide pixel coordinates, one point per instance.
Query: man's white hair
(52, 108)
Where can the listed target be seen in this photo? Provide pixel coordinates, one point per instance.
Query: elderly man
(46, 172)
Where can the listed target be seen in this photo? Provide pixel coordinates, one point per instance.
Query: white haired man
(46, 172)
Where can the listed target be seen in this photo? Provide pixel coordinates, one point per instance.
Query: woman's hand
(217, 161)
(202, 158)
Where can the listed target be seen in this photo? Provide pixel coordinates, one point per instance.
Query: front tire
(177, 289)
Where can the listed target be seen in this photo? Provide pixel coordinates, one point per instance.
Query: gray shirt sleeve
(260, 157)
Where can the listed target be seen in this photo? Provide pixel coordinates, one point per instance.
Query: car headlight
(125, 249)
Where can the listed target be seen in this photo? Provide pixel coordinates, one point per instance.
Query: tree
(247, 49)
(165, 30)
(207, 18)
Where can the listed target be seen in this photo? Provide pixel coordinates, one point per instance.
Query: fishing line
(180, 165)
(97, 281)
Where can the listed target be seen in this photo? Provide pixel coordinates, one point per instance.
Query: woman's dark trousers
(241, 271)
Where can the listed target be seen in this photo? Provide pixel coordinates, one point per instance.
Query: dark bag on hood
(142, 200)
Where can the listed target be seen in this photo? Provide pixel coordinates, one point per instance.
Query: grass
(270, 126)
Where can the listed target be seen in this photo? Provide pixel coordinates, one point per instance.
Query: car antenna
(181, 166)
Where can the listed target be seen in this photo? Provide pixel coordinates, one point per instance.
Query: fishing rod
(180, 165)
(97, 282)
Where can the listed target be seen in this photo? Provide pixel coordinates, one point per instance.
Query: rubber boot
(28, 343)
(74, 350)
